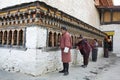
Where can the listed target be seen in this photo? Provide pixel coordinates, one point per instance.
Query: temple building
(110, 22)
(30, 32)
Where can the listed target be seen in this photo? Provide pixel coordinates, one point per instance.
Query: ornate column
(7, 37)
(18, 37)
(12, 37)
(23, 43)
(52, 39)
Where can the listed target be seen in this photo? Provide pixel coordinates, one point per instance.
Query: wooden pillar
(52, 39)
(18, 37)
(23, 41)
(7, 37)
(102, 16)
(111, 14)
(12, 37)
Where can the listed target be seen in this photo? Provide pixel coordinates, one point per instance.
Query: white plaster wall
(41, 37)
(81, 9)
(31, 37)
(47, 61)
(36, 61)
(116, 36)
(36, 37)
(51, 61)
(15, 60)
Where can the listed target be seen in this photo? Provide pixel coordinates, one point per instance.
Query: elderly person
(94, 50)
(106, 46)
(65, 45)
(84, 49)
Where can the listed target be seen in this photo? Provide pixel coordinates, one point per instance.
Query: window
(1, 34)
(50, 40)
(55, 39)
(5, 37)
(20, 37)
(10, 38)
(15, 37)
(107, 16)
(59, 38)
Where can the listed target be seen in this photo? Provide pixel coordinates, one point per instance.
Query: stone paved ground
(111, 73)
(76, 72)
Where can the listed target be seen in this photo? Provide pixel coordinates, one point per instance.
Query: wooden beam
(102, 2)
(110, 3)
(106, 2)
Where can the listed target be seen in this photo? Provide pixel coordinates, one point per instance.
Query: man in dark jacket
(84, 48)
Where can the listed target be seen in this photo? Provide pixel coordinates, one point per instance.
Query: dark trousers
(66, 67)
(106, 53)
(94, 54)
(85, 59)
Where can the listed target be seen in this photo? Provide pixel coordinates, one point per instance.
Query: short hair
(64, 28)
(80, 37)
(95, 39)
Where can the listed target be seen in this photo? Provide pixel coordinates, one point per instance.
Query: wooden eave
(105, 3)
(38, 3)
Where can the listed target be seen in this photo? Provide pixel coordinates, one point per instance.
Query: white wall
(116, 36)
(41, 37)
(15, 60)
(31, 37)
(36, 37)
(31, 61)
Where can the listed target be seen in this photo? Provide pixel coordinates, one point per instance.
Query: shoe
(84, 66)
(66, 73)
(61, 71)
(81, 65)
(94, 61)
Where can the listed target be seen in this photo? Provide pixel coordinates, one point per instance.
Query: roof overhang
(105, 3)
(110, 33)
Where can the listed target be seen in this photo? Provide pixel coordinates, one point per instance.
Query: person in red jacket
(84, 48)
(65, 45)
